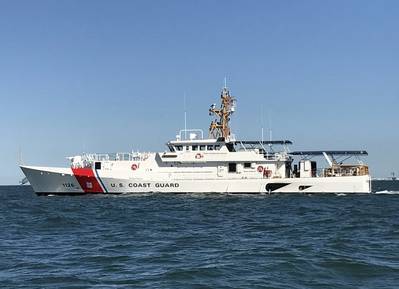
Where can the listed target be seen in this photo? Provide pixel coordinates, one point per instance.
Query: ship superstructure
(218, 163)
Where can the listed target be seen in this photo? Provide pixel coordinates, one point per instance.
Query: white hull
(47, 180)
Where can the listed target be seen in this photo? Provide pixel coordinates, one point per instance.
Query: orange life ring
(260, 169)
(134, 167)
(198, 156)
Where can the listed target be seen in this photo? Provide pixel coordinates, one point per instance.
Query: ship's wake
(386, 192)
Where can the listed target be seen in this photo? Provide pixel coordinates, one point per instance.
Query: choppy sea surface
(191, 241)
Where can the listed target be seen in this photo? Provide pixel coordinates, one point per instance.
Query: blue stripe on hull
(101, 181)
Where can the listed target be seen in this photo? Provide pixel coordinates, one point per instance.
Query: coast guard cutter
(219, 163)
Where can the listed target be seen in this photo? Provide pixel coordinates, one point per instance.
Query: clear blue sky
(105, 76)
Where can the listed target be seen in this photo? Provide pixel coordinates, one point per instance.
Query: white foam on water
(387, 193)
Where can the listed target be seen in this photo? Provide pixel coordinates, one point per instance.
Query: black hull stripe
(101, 181)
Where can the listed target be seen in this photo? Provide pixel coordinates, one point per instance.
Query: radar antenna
(220, 127)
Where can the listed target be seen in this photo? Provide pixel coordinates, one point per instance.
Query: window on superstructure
(171, 148)
(210, 147)
(202, 147)
(232, 167)
(247, 165)
(195, 148)
(217, 147)
(230, 147)
(187, 148)
(179, 148)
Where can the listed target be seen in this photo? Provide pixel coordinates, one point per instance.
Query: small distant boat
(393, 178)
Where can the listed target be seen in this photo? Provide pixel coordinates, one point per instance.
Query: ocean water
(212, 241)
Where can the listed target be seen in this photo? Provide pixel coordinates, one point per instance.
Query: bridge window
(210, 147)
(179, 148)
(187, 148)
(195, 148)
(217, 147)
(230, 147)
(202, 147)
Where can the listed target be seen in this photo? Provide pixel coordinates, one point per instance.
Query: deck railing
(87, 160)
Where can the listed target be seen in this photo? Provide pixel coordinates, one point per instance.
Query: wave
(387, 192)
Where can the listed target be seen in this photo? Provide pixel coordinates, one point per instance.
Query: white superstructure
(218, 164)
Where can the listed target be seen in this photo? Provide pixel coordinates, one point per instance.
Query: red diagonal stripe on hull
(87, 180)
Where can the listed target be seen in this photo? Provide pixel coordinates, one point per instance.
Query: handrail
(120, 156)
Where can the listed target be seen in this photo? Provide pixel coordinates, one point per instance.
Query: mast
(220, 127)
(185, 117)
